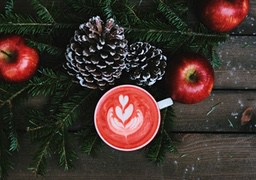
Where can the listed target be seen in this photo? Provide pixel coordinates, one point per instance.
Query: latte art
(127, 117)
(124, 119)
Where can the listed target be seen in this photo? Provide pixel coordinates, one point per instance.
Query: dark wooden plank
(238, 68)
(216, 157)
(200, 156)
(221, 112)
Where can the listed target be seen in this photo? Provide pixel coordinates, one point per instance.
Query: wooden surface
(213, 143)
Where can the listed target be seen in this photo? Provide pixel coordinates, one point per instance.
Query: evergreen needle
(14, 96)
(213, 108)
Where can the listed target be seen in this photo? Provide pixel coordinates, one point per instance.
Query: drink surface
(127, 117)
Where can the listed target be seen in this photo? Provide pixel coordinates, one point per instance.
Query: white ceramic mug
(127, 117)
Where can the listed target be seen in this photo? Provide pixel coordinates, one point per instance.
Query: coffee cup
(127, 117)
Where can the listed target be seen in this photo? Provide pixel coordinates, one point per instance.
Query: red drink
(127, 117)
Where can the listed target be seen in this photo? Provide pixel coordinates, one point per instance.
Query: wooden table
(213, 143)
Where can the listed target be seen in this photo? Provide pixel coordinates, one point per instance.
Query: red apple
(223, 15)
(18, 62)
(190, 78)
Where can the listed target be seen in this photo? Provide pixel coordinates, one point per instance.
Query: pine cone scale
(96, 53)
(145, 63)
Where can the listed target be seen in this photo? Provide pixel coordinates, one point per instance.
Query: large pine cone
(96, 53)
(145, 63)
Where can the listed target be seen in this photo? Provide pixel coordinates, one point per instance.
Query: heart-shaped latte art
(124, 114)
(124, 119)
(123, 100)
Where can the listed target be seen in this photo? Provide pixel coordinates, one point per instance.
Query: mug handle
(165, 103)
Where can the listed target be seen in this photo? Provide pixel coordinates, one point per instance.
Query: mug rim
(158, 115)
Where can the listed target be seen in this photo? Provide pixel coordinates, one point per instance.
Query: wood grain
(199, 156)
(221, 112)
(238, 68)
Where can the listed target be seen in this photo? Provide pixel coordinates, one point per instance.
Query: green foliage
(215, 59)
(172, 18)
(163, 142)
(23, 25)
(89, 140)
(45, 48)
(50, 129)
(42, 12)
(9, 4)
(126, 12)
(106, 8)
(5, 155)
(48, 27)
(48, 82)
(8, 119)
(84, 7)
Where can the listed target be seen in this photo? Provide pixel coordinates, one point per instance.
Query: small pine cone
(145, 63)
(96, 53)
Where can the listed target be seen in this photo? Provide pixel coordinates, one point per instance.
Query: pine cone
(145, 63)
(96, 53)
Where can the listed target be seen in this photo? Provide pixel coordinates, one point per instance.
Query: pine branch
(5, 156)
(106, 8)
(26, 25)
(90, 141)
(215, 59)
(8, 118)
(39, 162)
(22, 25)
(42, 12)
(162, 143)
(172, 17)
(14, 95)
(40, 126)
(48, 83)
(66, 155)
(84, 6)
(45, 48)
(40, 131)
(55, 123)
(157, 34)
(9, 7)
(69, 111)
(126, 13)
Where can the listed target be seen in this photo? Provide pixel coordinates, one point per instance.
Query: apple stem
(193, 77)
(5, 53)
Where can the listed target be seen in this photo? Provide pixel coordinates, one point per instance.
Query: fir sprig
(11, 128)
(65, 151)
(48, 82)
(8, 137)
(23, 25)
(42, 12)
(106, 8)
(172, 18)
(163, 143)
(90, 141)
(39, 162)
(9, 5)
(5, 156)
(45, 48)
(51, 130)
(158, 32)
(84, 7)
